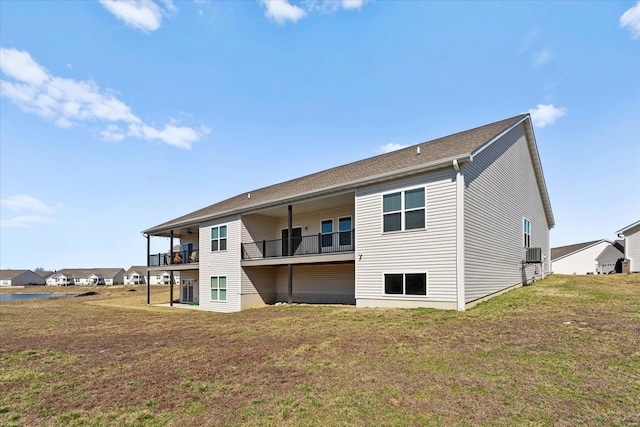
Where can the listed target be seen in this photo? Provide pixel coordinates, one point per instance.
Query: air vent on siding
(534, 256)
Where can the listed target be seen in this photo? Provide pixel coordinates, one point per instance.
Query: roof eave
(620, 233)
(351, 185)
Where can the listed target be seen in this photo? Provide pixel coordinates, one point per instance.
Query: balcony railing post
(319, 243)
(264, 248)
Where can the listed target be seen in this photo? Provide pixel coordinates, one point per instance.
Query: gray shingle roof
(561, 251)
(140, 269)
(339, 178)
(10, 274)
(81, 273)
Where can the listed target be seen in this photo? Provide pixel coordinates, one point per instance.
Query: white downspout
(460, 291)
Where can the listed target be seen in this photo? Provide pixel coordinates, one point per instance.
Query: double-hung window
(219, 238)
(404, 210)
(218, 288)
(526, 232)
(405, 284)
(327, 236)
(345, 227)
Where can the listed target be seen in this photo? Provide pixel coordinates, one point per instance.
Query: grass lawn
(563, 352)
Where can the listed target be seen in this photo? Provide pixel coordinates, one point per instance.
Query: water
(14, 297)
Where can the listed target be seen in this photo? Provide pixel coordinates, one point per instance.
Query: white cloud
(387, 148)
(25, 221)
(545, 115)
(22, 67)
(68, 102)
(37, 212)
(181, 137)
(112, 133)
(282, 11)
(630, 20)
(352, 4)
(24, 202)
(541, 57)
(143, 15)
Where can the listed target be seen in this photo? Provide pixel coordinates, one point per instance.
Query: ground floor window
(405, 284)
(218, 288)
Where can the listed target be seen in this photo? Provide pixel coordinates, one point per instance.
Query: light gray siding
(220, 263)
(500, 191)
(632, 248)
(318, 283)
(431, 250)
(260, 280)
(311, 221)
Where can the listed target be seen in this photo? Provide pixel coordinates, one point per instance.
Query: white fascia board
(627, 228)
(351, 185)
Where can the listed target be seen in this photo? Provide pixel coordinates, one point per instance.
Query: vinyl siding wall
(259, 282)
(318, 283)
(220, 263)
(632, 248)
(580, 262)
(431, 250)
(500, 191)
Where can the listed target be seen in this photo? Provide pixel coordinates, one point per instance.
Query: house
(631, 234)
(136, 275)
(45, 274)
(443, 224)
(594, 257)
(19, 278)
(86, 277)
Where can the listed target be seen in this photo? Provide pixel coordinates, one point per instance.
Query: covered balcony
(309, 232)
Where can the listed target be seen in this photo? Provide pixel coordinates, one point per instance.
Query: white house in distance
(445, 224)
(86, 277)
(631, 234)
(20, 278)
(136, 275)
(595, 257)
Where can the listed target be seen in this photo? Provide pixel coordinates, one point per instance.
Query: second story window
(219, 238)
(404, 210)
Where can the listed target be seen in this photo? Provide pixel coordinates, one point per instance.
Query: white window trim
(402, 211)
(218, 238)
(333, 230)
(524, 232)
(227, 289)
(403, 295)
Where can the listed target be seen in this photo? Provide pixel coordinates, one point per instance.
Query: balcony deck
(327, 247)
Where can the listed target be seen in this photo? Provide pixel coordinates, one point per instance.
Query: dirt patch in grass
(561, 352)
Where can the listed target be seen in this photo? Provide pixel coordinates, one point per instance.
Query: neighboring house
(19, 278)
(442, 224)
(87, 277)
(631, 234)
(163, 277)
(595, 257)
(136, 275)
(44, 273)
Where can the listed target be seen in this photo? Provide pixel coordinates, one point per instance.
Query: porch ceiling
(345, 199)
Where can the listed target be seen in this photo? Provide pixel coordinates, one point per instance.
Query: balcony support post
(171, 273)
(289, 253)
(148, 258)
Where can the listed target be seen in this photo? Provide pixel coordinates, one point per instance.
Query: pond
(14, 297)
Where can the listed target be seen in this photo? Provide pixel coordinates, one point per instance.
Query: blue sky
(116, 116)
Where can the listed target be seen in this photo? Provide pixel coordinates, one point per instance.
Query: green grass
(561, 352)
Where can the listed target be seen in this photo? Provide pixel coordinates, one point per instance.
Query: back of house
(443, 224)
